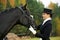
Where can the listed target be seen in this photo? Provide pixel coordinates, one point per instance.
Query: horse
(13, 16)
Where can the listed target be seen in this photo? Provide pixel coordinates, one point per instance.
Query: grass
(55, 38)
(51, 38)
(12, 36)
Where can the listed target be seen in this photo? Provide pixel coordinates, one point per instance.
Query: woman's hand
(32, 30)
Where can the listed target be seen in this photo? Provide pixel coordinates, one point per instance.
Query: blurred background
(36, 8)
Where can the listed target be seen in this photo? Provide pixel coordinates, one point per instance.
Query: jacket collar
(46, 20)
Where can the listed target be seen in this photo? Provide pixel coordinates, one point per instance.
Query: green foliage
(36, 9)
(17, 3)
(18, 29)
(56, 10)
(53, 27)
(1, 7)
(8, 4)
(55, 23)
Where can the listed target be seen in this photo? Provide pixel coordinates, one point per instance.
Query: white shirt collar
(46, 20)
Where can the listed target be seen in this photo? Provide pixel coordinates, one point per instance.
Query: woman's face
(45, 16)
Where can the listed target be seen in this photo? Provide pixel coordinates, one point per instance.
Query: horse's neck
(12, 14)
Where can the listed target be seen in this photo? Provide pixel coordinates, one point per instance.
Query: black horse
(13, 16)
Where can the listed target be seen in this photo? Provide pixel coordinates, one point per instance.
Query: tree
(56, 18)
(51, 5)
(36, 9)
(3, 4)
(56, 11)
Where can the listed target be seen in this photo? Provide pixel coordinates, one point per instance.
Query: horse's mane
(8, 10)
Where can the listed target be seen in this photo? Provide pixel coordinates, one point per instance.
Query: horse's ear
(25, 5)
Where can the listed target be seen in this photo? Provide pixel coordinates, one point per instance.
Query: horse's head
(11, 16)
(25, 18)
